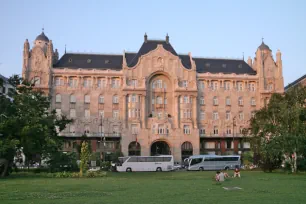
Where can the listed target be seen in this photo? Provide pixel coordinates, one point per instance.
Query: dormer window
(107, 61)
(207, 65)
(70, 60)
(224, 65)
(240, 66)
(89, 61)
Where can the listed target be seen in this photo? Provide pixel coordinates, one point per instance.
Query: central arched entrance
(160, 148)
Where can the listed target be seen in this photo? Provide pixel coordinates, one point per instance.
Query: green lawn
(157, 188)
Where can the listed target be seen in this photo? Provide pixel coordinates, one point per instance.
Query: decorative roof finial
(242, 55)
(43, 29)
(65, 48)
(262, 39)
(145, 37)
(167, 38)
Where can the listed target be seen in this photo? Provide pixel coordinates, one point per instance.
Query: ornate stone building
(154, 101)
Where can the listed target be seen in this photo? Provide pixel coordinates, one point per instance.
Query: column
(124, 111)
(143, 111)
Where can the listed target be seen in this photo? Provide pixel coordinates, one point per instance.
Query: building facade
(154, 101)
(300, 81)
(6, 87)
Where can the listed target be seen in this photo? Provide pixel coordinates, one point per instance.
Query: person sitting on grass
(237, 172)
(221, 176)
(225, 174)
(217, 176)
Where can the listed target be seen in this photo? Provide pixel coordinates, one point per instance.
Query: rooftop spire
(65, 48)
(167, 38)
(145, 37)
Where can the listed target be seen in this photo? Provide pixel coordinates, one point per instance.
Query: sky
(218, 28)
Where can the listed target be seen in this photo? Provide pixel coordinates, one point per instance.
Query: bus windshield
(196, 161)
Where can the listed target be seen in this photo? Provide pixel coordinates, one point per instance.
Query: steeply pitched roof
(3, 78)
(42, 37)
(90, 61)
(108, 61)
(295, 82)
(263, 46)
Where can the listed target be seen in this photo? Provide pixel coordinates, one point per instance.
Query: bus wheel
(128, 170)
(201, 169)
(226, 168)
(158, 169)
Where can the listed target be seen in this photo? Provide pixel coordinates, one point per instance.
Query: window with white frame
(159, 100)
(227, 85)
(186, 99)
(59, 81)
(101, 99)
(228, 115)
(241, 116)
(252, 87)
(116, 114)
(209, 145)
(215, 115)
(72, 113)
(246, 145)
(228, 101)
(133, 82)
(201, 85)
(58, 98)
(253, 102)
(214, 85)
(73, 82)
(58, 112)
(162, 129)
(241, 130)
(87, 98)
(216, 131)
(36, 81)
(202, 115)
(202, 100)
(202, 131)
(115, 83)
(186, 129)
(165, 101)
(72, 129)
(115, 99)
(101, 113)
(134, 128)
(184, 83)
(240, 101)
(228, 130)
(102, 83)
(87, 113)
(159, 83)
(134, 98)
(253, 114)
(72, 99)
(239, 86)
(87, 82)
(215, 101)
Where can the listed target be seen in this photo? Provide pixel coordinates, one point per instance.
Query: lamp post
(234, 125)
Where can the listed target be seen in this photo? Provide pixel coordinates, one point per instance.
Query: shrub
(95, 174)
(105, 166)
(60, 161)
(301, 163)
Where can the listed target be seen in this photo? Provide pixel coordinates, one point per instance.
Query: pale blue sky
(219, 28)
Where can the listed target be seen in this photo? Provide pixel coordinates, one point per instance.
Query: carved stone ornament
(159, 62)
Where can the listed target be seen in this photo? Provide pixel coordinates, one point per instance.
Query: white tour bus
(145, 163)
(213, 162)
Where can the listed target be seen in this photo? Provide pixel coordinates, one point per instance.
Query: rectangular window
(201, 85)
(215, 115)
(202, 101)
(186, 129)
(184, 83)
(186, 99)
(241, 116)
(229, 144)
(214, 86)
(72, 99)
(228, 101)
(228, 130)
(202, 115)
(216, 131)
(115, 83)
(116, 114)
(73, 82)
(87, 98)
(228, 115)
(209, 145)
(252, 87)
(240, 86)
(59, 81)
(227, 85)
(133, 83)
(87, 113)
(253, 102)
(72, 113)
(202, 131)
(87, 83)
(101, 99)
(134, 128)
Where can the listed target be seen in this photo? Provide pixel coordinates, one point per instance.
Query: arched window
(58, 98)
(134, 149)
(115, 99)
(72, 99)
(187, 150)
(240, 101)
(215, 100)
(101, 99)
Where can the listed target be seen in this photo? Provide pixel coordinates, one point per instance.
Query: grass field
(157, 188)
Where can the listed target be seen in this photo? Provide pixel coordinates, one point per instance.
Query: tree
(29, 123)
(85, 155)
(279, 129)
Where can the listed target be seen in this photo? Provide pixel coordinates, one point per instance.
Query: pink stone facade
(156, 100)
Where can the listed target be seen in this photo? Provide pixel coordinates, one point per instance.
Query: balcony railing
(94, 134)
